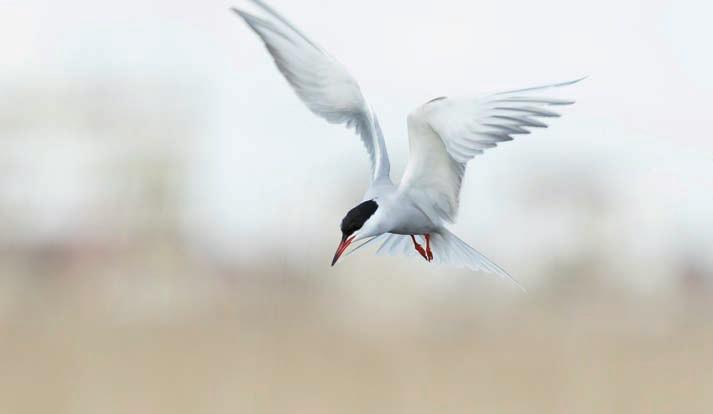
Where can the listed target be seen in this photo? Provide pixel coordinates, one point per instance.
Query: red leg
(428, 248)
(418, 248)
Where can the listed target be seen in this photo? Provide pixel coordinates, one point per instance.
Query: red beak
(342, 247)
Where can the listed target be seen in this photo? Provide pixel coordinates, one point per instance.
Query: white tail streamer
(447, 249)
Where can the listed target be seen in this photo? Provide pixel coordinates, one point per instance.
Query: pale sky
(267, 173)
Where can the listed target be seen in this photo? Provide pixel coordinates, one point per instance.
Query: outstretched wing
(446, 133)
(323, 84)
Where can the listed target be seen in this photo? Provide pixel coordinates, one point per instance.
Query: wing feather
(321, 82)
(446, 133)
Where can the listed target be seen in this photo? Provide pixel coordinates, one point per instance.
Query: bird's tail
(447, 249)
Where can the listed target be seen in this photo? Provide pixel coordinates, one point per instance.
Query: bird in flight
(444, 134)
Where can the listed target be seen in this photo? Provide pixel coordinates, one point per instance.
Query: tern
(444, 134)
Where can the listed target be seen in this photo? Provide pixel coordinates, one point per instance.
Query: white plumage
(444, 134)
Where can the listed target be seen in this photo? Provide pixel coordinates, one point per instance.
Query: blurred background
(169, 210)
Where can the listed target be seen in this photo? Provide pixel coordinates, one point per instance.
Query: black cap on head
(356, 217)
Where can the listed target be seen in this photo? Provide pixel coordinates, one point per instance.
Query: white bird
(444, 134)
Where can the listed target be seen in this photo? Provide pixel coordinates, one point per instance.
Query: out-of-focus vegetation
(167, 343)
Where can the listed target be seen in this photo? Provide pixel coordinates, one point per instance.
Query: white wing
(323, 84)
(446, 133)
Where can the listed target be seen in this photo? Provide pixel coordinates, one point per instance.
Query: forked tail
(447, 249)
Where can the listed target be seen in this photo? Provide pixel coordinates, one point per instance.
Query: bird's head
(353, 225)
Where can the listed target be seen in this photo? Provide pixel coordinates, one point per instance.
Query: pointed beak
(342, 247)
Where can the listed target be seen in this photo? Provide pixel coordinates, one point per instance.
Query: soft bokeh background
(169, 210)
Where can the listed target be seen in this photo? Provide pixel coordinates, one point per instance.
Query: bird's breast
(404, 218)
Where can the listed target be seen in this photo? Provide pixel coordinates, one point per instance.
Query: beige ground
(96, 345)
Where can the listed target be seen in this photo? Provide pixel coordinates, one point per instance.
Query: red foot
(428, 247)
(419, 249)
